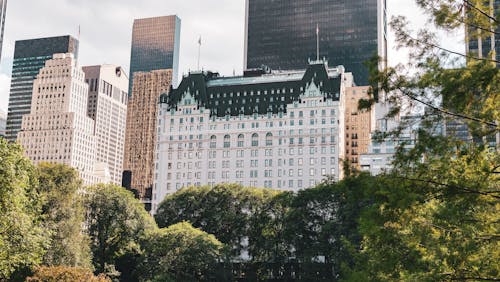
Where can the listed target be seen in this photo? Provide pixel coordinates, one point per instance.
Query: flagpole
(199, 52)
(317, 42)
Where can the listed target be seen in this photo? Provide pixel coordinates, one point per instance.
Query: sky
(106, 30)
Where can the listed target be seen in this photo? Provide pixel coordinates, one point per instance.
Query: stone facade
(107, 106)
(58, 129)
(280, 130)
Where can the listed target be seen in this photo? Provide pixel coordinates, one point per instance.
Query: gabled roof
(247, 95)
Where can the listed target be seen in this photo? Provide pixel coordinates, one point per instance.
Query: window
(269, 139)
(312, 172)
(213, 141)
(241, 140)
(227, 141)
(255, 140)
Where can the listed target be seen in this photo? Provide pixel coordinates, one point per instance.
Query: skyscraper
(107, 106)
(480, 42)
(141, 135)
(58, 129)
(29, 57)
(3, 11)
(282, 34)
(155, 46)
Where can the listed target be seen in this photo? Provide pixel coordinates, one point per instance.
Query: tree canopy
(22, 240)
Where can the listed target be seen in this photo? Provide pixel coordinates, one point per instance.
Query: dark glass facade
(29, 57)
(282, 33)
(155, 46)
(473, 43)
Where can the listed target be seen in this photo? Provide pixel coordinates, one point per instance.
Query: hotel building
(281, 130)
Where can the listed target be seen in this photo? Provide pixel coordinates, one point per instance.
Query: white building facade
(58, 130)
(275, 130)
(107, 106)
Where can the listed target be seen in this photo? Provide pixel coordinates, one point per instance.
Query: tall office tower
(140, 140)
(3, 11)
(107, 106)
(155, 46)
(478, 41)
(29, 58)
(281, 130)
(282, 34)
(3, 122)
(58, 129)
(359, 124)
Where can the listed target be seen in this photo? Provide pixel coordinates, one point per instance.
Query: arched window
(227, 141)
(255, 140)
(241, 140)
(269, 139)
(213, 141)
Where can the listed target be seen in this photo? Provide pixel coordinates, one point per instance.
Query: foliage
(436, 216)
(181, 253)
(22, 241)
(224, 210)
(65, 274)
(322, 224)
(116, 222)
(60, 187)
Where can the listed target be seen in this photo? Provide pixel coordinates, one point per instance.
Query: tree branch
(465, 189)
(411, 96)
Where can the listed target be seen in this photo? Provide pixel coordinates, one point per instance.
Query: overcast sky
(106, 30)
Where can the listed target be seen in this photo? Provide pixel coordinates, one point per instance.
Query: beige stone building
(141, 133)
(58, 130)
(107, 106)
(358, 125)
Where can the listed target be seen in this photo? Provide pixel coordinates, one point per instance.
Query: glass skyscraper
(155, 46)
(29, 57)
(474, 45)
(281, 34)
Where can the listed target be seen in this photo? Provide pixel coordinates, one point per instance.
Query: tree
(22, 240)
(435, 216)
(65, 274)
(224, 210)
(267, 233)
(60, 187)
(116, 222)
(181, 253)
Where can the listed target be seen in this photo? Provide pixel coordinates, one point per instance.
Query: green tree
(436, 217)
(224, 210)
(22, 240)
(181, 253)
(267, 233)
(60, 188)
(116, 222)
(65, 274)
